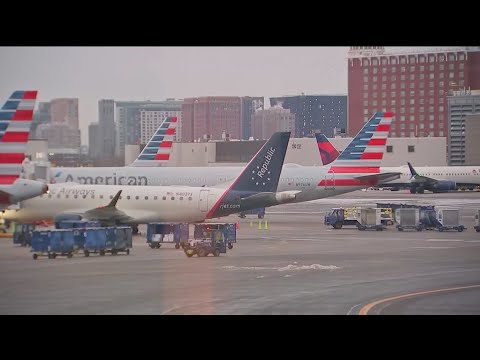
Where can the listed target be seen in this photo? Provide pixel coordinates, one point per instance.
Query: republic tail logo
(15, 122)
(264, 167)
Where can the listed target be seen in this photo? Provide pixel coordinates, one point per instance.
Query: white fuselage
(144, 204)
(292, 178)
(458, 174)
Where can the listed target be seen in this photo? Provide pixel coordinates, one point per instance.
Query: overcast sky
(157, 73)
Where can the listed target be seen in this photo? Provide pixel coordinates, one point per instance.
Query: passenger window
(155, 197)
(66, 196)
(190, 198)
(146, 197)
(93, 196)
(128, 197)
(136, 197)
(181, 197)
(75, 196)
(58, 196)
(101, 196)
(173, 198)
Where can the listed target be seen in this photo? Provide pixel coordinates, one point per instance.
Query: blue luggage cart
(23, 234)
(159, 233)
(61, 243)
(40, 243)
(108, 239)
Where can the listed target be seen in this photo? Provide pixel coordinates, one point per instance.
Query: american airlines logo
(265, 164)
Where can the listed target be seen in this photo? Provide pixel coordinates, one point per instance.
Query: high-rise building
(315, 113)
(250, 105)
(64, 111)
(266, 122)
(94, 141)
(129, 120)
(413, 85)
(472, 145)
(59, 136)
(211, 117)
(41, 116)
(460, 104)
(106, 122)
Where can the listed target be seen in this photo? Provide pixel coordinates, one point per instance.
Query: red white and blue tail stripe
(15, 123)
(158, 149)
(359, 163)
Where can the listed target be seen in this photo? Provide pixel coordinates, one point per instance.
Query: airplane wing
(379, 178)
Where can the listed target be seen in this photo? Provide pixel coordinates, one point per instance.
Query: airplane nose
(45, 188)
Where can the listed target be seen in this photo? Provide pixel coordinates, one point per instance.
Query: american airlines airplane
(15, 123)
(432, 178)
(356, 168)
(255, 186)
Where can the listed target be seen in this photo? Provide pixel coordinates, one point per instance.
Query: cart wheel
(460, 229)
(478, 230)
(152, 246)
(128, 251)
(419, 228)
(188, 254)
(35, 256)
(86, 253)
(69, 255)
(379, 229)
(440, 229)
(157, 245)
(177, 246)
(230, 246)
(400, 229)
(201, 253)
(102, 252)
(114, 252)
(216, 252)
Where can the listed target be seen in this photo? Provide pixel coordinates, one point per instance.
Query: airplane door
(203, 200)
(330, 181)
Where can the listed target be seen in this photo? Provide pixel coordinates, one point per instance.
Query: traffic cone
(260, 225)
(266, 225)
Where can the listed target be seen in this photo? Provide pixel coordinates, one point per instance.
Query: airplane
(155, 153)
(356, 168)
(15, 123)
(436, 179)
(255, 186)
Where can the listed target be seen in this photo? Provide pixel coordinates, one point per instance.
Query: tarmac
(297, 265)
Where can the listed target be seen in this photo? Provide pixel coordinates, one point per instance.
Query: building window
(430, 109)
(374, 62)
(431, 58)
(389, 148)
(451, 57)
(393, 94)
(431, 84)
(365, 79)
(431, 67)
(365, 71)
(412, 68)
(421, 93)
(365, 95)
(403, 69)
(394, 77)
(402, 126)
(422, 84)
(461, 83)
(394, 70)
(384, 78)
(394, 102)
(384, 61)
(412, 77)
(412, 110)
(365, 111)
(402, 77)
(440, 108)
(375, 94)
(384, 70)
(461, 66)
(431, 133)
(411, 148)
(402, 93)
(440, 124)
(441, 58)
(393, 61)
(422, 76)
(374, 103)
(441, 83)
(412, 133)
(393, 134)
(374, 87)
(421, 126)
(402, 118)
(365, 87)
(441, 100)
(402, 102)
(365, 103)
(374, 70)
(374, 79)
(384, 86)
(412, 117)
(451, 75)
(365, 62)
(440, 133)
(431, 118)
(441, 67)
(403, 60)
(451, 66)
(394, 86)
(441, 75)
(421, 100)
(461, 57)
(422, 117)
(460, 74)
(421, 59)
(384, 94)
(422, 109)
(384, 102)
(431, 92)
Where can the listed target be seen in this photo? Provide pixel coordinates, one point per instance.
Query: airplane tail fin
(365, 152)
(413, 172)
(262, 173)
(15, 122)
(328, 153)
(158, 149)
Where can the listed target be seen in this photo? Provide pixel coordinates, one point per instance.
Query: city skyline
(157, 73)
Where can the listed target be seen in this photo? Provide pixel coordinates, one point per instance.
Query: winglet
(412, 170)
(113, 202)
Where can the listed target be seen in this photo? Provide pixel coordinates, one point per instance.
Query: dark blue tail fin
(263, 172)
(412, 170)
